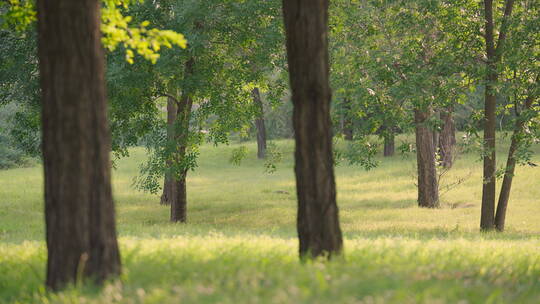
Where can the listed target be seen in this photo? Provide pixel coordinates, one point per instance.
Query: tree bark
(348, 132)
(169, 183)
(435, 135)
(428, 188)
(504, 195)
(488, 189)
(179, 191)
(306, 25)
(259, 123)
(179, 202)
(389, 144)
(487, 219)
(79, 210)
(183, 115)
(447, 139)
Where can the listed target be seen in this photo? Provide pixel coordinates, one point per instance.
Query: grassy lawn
(239, 245)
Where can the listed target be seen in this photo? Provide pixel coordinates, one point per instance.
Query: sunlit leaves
(17, 14)
(117, 29)
(145, 41)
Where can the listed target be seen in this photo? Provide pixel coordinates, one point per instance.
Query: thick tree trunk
(447, 139)
(504, 195)
(169, 184)
(79, 210)
(306, 24)
(348, 132)
(389, 144)
(487, 219)
(259, 123)
(428, 188)
(183, 115)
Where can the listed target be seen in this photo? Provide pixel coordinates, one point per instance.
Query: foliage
(362, 152)
(233, 48)
(146, 42)
(238, 155)
(274, 156)
(17, 14)
(19, 72)
(278, 121)
(11, 153)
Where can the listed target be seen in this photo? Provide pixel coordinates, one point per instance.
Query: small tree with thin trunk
(259, 124)
(494, 49)
(169, 187)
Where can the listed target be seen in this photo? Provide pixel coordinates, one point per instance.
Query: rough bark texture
(79, 211)
(487, 219)
(428, 188)
(389, 145)
(504, 195)
(183, 115)
(259, 123)
(306, 24)
(348, 132)
(447, 139)
(169, 184)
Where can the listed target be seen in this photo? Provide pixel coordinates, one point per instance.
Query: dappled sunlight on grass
(240, 239)
(216, 267)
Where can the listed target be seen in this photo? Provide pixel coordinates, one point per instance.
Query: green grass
(239, 245)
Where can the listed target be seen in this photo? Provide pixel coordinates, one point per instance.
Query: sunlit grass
(239, 245)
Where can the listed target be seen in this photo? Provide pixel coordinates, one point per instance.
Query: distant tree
(447, 138)
(259, 124)
(79, 210)
(306, 27)
(521, 87)
(232, 50)
(406, 62)
(168, 184)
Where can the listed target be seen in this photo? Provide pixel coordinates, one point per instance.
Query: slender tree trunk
(389, 144)
(348, 132)
(428, 188)
(488, 189)
(179, 202)
(306, 24)
(447, 139)
(179, 192)
(169, 184)
(436, 135)
(79, 210)
(183, 115)
(504, 195)
(487, 219)
(259, 123)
